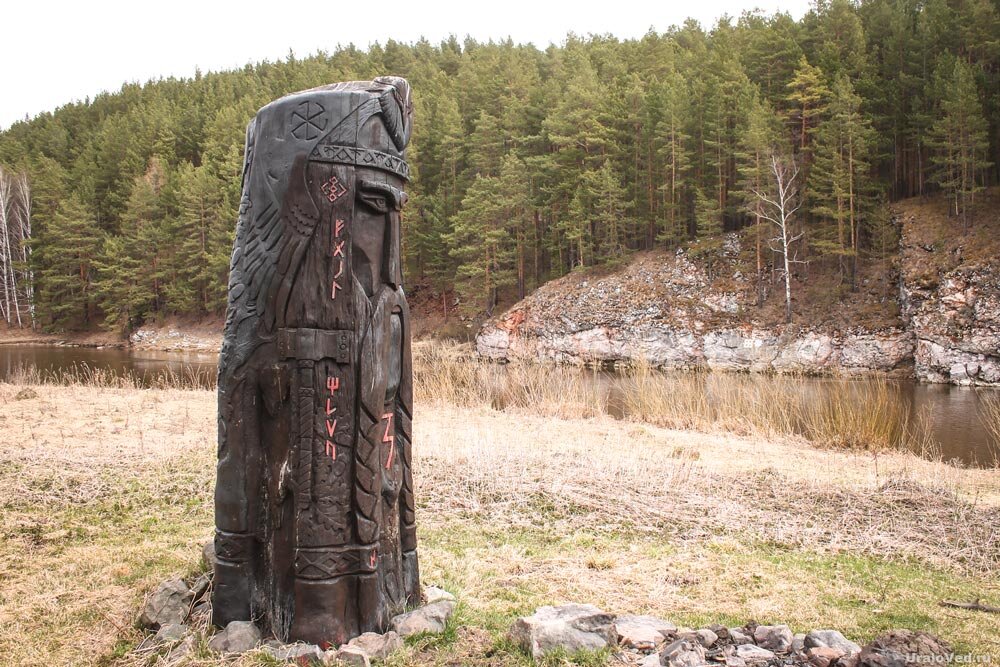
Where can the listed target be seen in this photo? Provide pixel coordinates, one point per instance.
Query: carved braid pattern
(407, 514)
(367, 480)
(367, 475)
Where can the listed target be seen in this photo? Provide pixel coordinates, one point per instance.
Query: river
(953, 414)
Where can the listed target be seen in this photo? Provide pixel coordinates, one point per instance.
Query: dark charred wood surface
(314, 509)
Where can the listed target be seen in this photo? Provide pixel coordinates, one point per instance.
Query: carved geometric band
(233, 547)
(327, 563)
(361, 157)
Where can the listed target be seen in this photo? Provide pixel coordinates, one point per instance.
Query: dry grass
(989, 406)
(105, 492)
(83, 375)
(867, 414)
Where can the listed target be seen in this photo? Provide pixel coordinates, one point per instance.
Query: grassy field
(105, 492)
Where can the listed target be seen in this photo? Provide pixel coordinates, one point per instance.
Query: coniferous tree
(839, 187)
(66, 252)
(959, 139)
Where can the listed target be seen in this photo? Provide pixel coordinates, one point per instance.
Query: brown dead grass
(106, 492)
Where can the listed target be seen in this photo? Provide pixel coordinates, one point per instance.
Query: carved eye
(381, 196)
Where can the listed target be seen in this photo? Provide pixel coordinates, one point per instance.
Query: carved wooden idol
(315, 535)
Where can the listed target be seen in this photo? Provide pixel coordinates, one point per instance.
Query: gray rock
(429, 618)
(348, 655)
(238, 637)
(706, 637)
(683, 653)
(774, 637)
(651, 660)
(168, 604)
(831, 639)
(822, 656)
(208, 556)
(798, 643)
(750, 653)
(180, 651)
(300, 653)
(434, 594)
(643, 632)
(739, 636)
(378, 646)
(200, 613)
(731, 659)
(171, 633)
(200, 586)
(571, 627)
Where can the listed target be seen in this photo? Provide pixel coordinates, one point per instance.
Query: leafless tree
(16, 289)
(779, 207)
(22, 188)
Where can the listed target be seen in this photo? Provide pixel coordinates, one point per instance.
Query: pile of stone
(648, 641)
(178, 615)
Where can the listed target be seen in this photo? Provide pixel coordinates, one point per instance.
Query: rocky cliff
(950, 298)
(938, 321)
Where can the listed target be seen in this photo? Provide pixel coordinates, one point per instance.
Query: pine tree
(807, 95)
(959, 139)
(66, 252)
(673, 151)
(483, 242)
(838, 180)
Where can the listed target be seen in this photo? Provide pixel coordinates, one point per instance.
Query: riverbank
(108, 491)
(201, 336)
(929, 312)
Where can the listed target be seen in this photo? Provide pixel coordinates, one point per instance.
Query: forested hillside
(529, 163)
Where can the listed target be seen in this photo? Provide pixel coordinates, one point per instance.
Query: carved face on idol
(376, 231)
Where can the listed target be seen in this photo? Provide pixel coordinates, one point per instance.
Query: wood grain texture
(316, 534)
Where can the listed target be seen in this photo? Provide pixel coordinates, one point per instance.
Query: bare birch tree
(779, 207)
(22, 187)
(16, 280)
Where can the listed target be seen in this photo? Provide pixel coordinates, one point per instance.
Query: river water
(954, 415)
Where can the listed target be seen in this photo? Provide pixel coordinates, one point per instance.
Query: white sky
(53, 52)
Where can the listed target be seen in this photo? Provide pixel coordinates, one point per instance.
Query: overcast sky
(55, 52)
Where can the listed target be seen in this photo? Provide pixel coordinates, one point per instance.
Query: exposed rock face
(956, 323)
(664, 309)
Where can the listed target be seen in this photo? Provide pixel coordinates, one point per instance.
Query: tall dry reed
(989, 414)
(84, 375)
(863, 414)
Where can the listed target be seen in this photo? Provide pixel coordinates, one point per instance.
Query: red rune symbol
(371, 561)
(331, 427)
(338, 249)
(333, 291)
(391, 439)
(333, 189)
(338, 227)
(330, 408)
(332, 384)
(331, 450)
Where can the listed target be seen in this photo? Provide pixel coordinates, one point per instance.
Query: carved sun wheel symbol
(308, 120)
